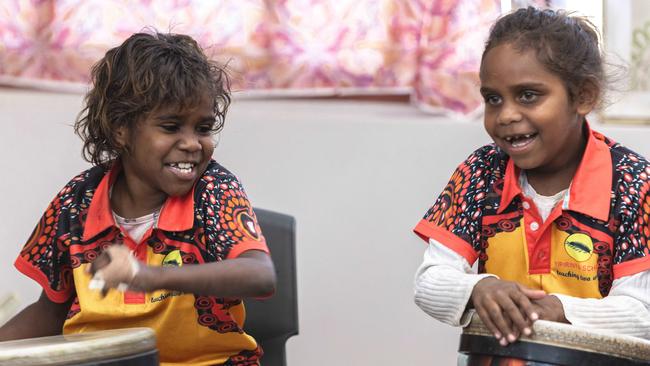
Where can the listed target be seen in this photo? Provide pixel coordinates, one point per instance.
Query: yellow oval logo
(173, 258)
(579, 246)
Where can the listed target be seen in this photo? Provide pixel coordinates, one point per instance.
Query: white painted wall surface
(356, 175)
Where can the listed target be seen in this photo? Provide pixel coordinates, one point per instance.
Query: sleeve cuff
(425, 230)
(445, 294)
(631, 267)
(617, 314)
(32, 272)
(242, 247)
(464, 320)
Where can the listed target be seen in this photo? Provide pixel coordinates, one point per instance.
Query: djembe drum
(552, 344)
(128, 347)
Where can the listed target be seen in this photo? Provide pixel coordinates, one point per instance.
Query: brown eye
(528, 97)
(492, 100)
(169, 127)
(206, 127)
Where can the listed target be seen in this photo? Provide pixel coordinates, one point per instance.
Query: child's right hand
(114, 268)
(505, 307)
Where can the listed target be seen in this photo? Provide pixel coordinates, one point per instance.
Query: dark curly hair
(566, 44)
(147, 71)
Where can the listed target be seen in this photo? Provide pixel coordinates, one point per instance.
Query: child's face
(169, 150)
(528, 112)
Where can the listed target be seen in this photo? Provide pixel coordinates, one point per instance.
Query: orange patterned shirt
(213, 222)
(598, 233)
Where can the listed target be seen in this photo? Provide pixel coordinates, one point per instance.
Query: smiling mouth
(183, 168)
(519, 141)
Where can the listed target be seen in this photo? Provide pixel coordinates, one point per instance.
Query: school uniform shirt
(595, 238)
(213, 222)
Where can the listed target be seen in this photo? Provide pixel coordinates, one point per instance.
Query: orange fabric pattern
(598, 233)
(213, 222)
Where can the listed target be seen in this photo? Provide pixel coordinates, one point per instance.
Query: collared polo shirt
(213, 222)
(599, 231)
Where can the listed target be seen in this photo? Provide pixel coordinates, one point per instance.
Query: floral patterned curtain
(427, 48)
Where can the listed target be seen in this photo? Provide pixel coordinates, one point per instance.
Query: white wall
(356, 175)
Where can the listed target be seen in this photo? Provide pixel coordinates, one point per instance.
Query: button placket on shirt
(534, 231)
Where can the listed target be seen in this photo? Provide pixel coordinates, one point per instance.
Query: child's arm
(445, 286)
(444, 283)
(626, 310)
(252, 274)
(42, 318)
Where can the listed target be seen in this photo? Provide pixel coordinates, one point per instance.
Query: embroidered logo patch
(579, 246)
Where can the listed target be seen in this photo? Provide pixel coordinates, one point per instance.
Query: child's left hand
(550, 308)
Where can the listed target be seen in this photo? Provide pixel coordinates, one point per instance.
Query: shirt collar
(177, 213)
(590, 189)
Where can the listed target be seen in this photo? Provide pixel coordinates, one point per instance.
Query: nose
(508, 114)
(189, 142)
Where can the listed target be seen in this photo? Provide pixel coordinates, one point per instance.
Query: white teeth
(510, 139)
(519, 143)
(183, 167)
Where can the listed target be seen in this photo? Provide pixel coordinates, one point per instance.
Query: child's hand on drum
(506, 308)
(550, 308)
(115, 268)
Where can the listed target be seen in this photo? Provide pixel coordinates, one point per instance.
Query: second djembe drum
(553, 344)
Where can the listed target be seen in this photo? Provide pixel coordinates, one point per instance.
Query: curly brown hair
(145, 72)
(566, 44)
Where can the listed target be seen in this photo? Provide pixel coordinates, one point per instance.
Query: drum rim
(540, 353)
(601, 342)
(111, 343)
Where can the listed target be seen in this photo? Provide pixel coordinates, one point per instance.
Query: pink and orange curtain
(427, 48)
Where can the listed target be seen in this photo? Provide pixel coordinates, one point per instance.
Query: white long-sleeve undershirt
(444, 284)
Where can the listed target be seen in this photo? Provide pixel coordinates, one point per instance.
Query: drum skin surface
(552, 344)
(130, 346)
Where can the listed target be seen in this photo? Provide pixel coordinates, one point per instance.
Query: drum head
(82, 348)
(558, 344)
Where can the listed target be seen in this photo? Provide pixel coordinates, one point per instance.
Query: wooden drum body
(128, 347)
(553, 344)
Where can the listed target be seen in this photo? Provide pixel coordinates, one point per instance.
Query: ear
(121, 136)
(587, 97)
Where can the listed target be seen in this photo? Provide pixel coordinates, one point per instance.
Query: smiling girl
(165, 232)
(555, 213)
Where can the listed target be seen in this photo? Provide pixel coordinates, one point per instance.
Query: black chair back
(274, 320)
